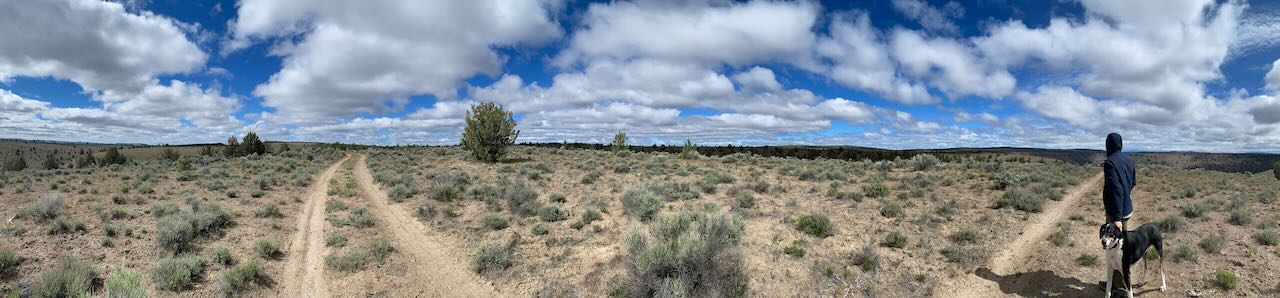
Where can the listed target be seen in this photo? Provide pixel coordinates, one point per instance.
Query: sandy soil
(1009, 261)
(441, 273)
(305, 271)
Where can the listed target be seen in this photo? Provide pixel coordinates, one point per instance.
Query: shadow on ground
(1041, 283)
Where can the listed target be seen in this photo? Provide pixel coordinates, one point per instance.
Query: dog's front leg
(1110, 276)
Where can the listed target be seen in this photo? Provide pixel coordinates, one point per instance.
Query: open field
(549, 222)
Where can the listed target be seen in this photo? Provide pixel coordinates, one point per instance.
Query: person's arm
(1111, 194)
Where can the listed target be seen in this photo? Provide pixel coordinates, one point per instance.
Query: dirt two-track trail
(439, 273)
(304, 273)
(1006, 261)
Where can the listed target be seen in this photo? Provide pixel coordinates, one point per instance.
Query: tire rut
(1009, 258)
(304, 273)
(441, 274)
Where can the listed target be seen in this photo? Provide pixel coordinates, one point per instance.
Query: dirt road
(304, 274)
(442, 273)
(1007, 260)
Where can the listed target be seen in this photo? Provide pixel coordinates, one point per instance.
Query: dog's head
(1110, 236)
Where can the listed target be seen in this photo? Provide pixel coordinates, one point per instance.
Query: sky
(1169, 75)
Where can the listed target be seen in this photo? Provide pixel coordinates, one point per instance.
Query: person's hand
(1119, 226)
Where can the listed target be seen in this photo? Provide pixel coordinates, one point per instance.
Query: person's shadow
(1041, 283)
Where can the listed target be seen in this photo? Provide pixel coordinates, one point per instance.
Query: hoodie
(1119, 177)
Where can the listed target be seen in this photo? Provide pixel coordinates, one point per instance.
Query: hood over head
(1114, 144)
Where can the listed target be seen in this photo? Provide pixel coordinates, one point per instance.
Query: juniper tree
(232, 149)
(112, 157)
(51, 162)
(252, 145)
(689, 150)
(169, 154)
(490, 130)
(619, 142)
(16, 164)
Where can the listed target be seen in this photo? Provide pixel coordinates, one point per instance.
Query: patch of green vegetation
(244, 278)
(494, 222)
(124, 283)
(817, 225)
(1212, 243)
(894, 240)
(70, 278)
(708, 244)
(641, 203)
(176, 274)
(794, 250)
(1225, 279)
(1087, 259)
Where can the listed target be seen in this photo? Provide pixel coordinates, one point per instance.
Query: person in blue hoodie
(1117, 188)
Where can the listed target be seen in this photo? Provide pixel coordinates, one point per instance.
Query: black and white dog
(1124, 248)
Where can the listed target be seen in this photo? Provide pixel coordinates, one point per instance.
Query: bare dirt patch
(304, 274)
(443, 273)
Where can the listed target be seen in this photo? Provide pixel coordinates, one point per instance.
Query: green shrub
(350, 262)
(745, 200)
(1019, 199)
(244, 278)
(379, 249)
(876, 190)
(521, 200)
(177, 274)
(1212, 243)
(591, 177)
(551, 213)
(492, 258)
(794, 250)
(538, 229)
(923, 162)
(494, 222)
(1062, 237)
(335, 240)
(1195, 210)
(1240, 218)
(1184, 253)
(867, 259)
(70, 278)
(222, 256)
(1225, 279)
(174, 233)
(1268, 238)
(894, 240)
(270, 210)
(9, 262)
(1087, 260)
(48, 208)
(59, 226)
(815, 224)
(556, 198)
(361, 218)
(641, 203)
(964, 236)
(673, 191)
(962, 255)
(267, 249)
(400, 192)
(709, 260)
(124, 283)
(334, 206)
(164, 209)
(1170, 224)
(891, 209)
(489, 131)
(619, 142)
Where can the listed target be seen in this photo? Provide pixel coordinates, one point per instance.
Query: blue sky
(1169, 75)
